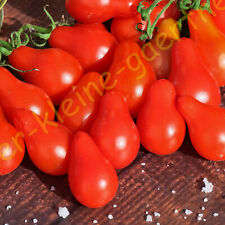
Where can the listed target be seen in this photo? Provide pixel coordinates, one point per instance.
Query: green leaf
(2, 3)
(1, 18)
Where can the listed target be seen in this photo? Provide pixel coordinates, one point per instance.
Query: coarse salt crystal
(35, 220)
(185, 217)
(215, 214)
(156, 214)
(114, 206)
(188, 212)
(158, 188)
(173, 192)
(175, 211)
(52, 188)
(142, 171)
(95, 221)
(202, 208)
(17, 192)
(148, 218)
(146, 212)
(110, 216)
(143, 164)
(8, 207)
(204, 220)
(199, 216)
(208, 186)
(157, 223)
(25, 221)
(63, 212)
(205, 200)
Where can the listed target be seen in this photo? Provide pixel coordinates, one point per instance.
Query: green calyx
(183, 5)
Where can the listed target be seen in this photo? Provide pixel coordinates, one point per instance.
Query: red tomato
(12, 146)
(189, 75)
(161, 127)
(125, 28)
(91, 44)
(100, 10)
(57, 70)
(131, 75)
(210, 41)
(15, 94)
(206, 126)
(92, 179)
(218, 12)
(114, 131)
(79, 107)
(47, 142)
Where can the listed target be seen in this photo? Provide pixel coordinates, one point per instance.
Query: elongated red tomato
(47, 142)
(210, 41)
(131, 75)
(100, 10)
(92, 179)
(56, 71)
(189, 75)
(161, 126)
(206, 125)
(91, 44)
(114, 131)
(12, 146)
(15, 94)
(79, 107)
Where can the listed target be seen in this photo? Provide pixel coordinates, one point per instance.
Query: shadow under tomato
(59, 182)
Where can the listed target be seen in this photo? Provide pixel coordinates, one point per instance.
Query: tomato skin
(57, 70)
(114, 131)
(92, 179)
(210, 41)
(11, 155)
(15, 94)
(47, 142)
(131, 74)
(218, 13)
(206, 125)
(189, 75)
(125, 28)
(98, 11)
(79, 107)
(95, 55)
(161, 127)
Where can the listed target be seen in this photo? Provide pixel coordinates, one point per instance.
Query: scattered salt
(156, 214)
(188, 212)
(143, 164)
(208, 186)
(148, 218)
(114, 206)
(158, 188)
(199, 216)
(142, 171)
(63, 212)
(173, 191)
(110, 216)
(202, 208)
(215, 214)
(185, 217)
(95, 221)
(205, 200)
(8, 207)
(35, 220)
(204, 220)
(17, 192)
(175, 211)
(146, 212)
(25, 221)
(157, 223)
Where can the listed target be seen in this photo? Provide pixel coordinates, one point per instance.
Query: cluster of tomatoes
(165, 84)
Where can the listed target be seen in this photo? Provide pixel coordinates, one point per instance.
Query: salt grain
(205, 200)
(142, 171)
(202, 208)
(188, 212)
(204, 220)
(52, 188)
(35, 220)
(110, 216)
(63, 212)
(157, 223)
(17, 192)
(208, 186)
(156, 214)
(199, 216)
(114, 206)
(8, 207)
(143, 164)
(148, 218)
(185, 217)
(175, 211)
(215, 214)
(146, 212)
(173, 192)
(25, 221)
(95, 221)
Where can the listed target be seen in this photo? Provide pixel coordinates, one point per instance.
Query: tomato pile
(88, 95)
